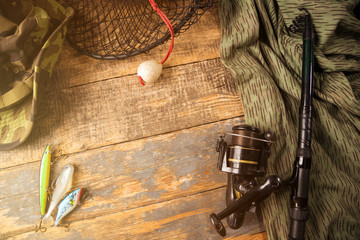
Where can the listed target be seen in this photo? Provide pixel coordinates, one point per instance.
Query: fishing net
(116, 29)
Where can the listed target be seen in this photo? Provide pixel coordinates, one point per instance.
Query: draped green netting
(266, 60)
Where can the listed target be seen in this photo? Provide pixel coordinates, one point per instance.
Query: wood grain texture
(182, 218)
(123, 176)
(118, 110)
(145, 155)
(56, 101)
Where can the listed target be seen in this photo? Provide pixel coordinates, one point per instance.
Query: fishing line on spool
(253, 138)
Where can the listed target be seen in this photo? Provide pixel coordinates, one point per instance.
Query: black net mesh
(115, 29)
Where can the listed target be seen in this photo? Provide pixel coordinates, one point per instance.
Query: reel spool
(243, 160)
(247, 153)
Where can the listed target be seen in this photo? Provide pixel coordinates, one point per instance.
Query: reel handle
(259, 193)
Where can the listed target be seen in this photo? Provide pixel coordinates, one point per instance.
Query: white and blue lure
(68, 204)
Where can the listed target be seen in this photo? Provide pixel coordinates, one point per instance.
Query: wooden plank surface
(70, 100)
(125, 177)
(145, 154)
(166, 220)
(119, 110)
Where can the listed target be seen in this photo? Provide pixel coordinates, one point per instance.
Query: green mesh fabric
(266, 60)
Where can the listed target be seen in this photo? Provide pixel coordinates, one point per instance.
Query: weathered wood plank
(119, 109)
(200, 42)
(123, 176)
(148, 178)
(183, 218)
(255, 236)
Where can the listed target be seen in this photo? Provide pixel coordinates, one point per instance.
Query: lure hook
(85, 197)
(66, 226)
(53, 184)
(48, 194)
(40, 228)
(58, 155)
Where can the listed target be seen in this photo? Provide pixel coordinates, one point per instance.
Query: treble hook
(40, 227)
(58, 155)
(53, 183)
(85, 197)
(66, 226)
(48, 194)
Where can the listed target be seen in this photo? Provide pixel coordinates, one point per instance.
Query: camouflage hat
(31, 35)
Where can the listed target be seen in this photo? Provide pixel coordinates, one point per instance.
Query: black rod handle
(298, 219)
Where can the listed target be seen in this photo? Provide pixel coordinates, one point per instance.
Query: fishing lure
(44, 179)
(63, 185)
(68, 204)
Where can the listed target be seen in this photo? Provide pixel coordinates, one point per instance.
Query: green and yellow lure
(44, 179)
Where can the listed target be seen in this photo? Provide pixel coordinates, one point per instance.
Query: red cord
(171, 29)
(141, 81)
(168, 24)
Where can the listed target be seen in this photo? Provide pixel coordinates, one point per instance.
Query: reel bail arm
(256, 195)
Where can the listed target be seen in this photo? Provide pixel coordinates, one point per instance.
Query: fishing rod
(244, 166)
(299, 181)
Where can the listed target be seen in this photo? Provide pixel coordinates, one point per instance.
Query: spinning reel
(244, 161)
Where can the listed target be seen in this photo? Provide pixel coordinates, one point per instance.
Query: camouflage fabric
(31, 37)
(266, 60)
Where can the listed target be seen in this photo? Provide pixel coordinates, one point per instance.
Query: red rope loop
(171, 29)
(141, 81)
(168, 24)
(153, 4)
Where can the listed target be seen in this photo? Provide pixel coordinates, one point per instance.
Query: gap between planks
(149, 222)
(135, 74)
(126, 141)
(80, 113)
(156, 175)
